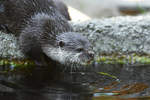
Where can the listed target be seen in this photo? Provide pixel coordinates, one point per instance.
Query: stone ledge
(118, 34)
(121, 35)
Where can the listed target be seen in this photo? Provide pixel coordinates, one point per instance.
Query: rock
(117, 34)
(9, 47)
(96, 8)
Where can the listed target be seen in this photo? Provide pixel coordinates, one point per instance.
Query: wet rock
(122, 35)
(117, 34)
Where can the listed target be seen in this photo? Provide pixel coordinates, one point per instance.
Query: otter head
(69, 49)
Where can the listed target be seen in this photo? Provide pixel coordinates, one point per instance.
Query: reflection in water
(95, 83)
(119, 98)
(50, 92)
(41, 85)
(50, 96)
(134, 83)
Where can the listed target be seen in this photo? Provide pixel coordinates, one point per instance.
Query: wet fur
(41, 27)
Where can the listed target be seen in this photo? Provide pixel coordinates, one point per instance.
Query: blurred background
(110, 8)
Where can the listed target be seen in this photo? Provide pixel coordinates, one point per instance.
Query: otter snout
(91, 54)
(87, 56)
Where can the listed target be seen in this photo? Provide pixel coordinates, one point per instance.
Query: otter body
(16, 13)
(42, 29)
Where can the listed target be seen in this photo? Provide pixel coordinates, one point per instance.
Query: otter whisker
(64, 69)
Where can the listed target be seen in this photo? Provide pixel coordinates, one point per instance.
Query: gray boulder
(117, 34)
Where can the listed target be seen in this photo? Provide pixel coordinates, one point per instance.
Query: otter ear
(61, 43)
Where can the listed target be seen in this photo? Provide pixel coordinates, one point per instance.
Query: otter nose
(91, 54)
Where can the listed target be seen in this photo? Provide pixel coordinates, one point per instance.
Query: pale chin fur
(62, 56)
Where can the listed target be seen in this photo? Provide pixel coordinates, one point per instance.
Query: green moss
(132, 58)
(1, 62)
(106, 74)
(23, 66)
(114, 58)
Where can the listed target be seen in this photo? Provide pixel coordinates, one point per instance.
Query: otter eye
(80, 49)
(61, 43)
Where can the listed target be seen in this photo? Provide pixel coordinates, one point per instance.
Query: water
(99, 82)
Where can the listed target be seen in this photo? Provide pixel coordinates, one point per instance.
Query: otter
(61, 6)
(42, 29)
